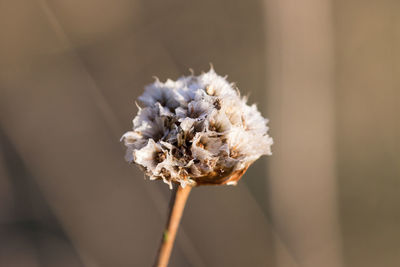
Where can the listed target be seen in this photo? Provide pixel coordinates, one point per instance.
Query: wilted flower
(197, 130)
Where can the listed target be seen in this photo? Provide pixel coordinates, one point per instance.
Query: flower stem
(177, 205)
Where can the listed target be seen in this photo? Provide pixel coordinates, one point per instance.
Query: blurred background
(326, 74)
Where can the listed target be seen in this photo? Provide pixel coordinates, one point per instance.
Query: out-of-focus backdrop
(326, 74)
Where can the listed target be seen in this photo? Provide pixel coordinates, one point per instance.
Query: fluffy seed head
(196, 130)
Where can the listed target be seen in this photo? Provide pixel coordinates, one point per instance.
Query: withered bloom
(197, 130)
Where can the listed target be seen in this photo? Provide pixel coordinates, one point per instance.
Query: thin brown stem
(177, 205)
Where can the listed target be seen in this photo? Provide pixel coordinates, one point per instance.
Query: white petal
(146, 156)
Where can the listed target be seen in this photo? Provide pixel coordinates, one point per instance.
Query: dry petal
(196, 130)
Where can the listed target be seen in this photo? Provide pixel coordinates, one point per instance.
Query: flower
(196, 130)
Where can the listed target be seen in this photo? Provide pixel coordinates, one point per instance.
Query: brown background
(326, 74)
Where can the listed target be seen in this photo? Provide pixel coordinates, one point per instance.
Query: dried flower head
(197, 130)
